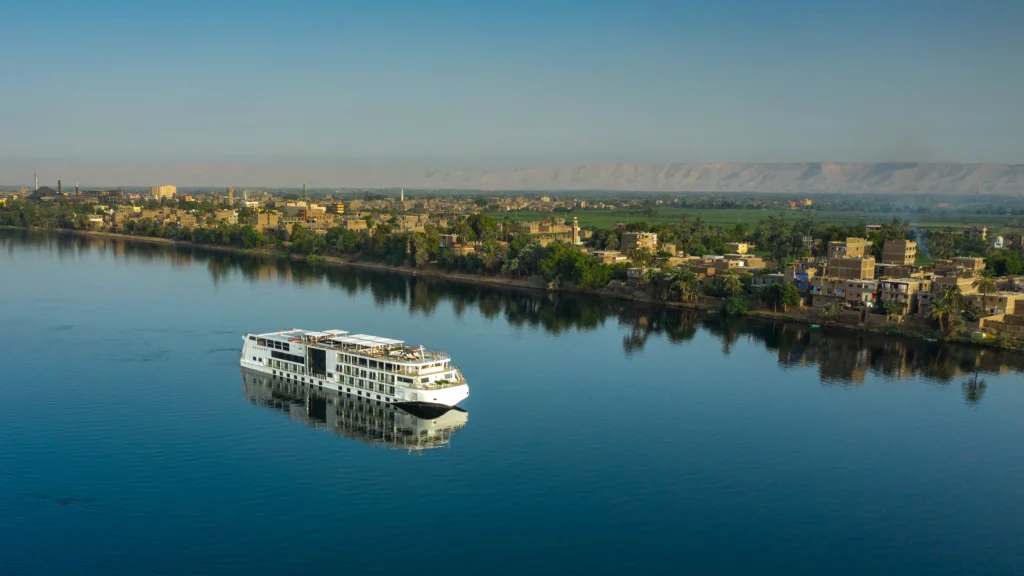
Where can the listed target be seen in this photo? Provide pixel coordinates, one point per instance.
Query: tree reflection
(974, 389)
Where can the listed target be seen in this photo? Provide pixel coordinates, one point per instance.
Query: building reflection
(842, 357)
(354, 417)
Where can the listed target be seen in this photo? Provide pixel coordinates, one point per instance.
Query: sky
(445, 84)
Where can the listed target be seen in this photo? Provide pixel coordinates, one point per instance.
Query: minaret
(575, 230)
(76, 188)
(231, 196)
(36, 174)
(401, 195)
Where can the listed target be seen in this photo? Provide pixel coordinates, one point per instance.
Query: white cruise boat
(366, 366)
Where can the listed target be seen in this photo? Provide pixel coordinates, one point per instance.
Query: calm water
(598, 437)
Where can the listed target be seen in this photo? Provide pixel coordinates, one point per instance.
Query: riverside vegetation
(501, 251)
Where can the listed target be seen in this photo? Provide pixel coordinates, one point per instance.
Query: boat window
(253, 338)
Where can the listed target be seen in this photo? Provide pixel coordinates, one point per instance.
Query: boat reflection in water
(399, 426)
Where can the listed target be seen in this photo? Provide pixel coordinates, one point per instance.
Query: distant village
(845, 279)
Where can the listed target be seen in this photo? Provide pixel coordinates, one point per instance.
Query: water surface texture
(599, 436)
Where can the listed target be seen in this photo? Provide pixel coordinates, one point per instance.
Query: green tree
(830, 312)
(985, 283)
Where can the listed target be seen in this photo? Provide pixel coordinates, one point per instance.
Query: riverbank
(800, 315)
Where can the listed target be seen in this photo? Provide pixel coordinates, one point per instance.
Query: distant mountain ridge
(803, 177)
(791, 178)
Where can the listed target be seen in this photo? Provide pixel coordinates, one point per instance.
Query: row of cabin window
(288, 367)
(378, 376)
(274, 344)
(366, 385)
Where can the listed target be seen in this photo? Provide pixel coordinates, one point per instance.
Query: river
(599, 436)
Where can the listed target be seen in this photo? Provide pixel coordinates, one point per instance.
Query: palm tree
(511, 266)
(830, 312)
(939, 310)
(731, 283)
(954, 297)
(491, 256)
(687, 286)
(985, 283)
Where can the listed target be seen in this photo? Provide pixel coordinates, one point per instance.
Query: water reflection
(371, 422)
(842, 357)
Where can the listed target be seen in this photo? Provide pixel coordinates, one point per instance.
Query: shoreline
(704, 303)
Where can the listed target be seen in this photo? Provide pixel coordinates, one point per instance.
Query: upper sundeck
(365, 345)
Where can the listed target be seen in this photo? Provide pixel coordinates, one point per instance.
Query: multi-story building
(976, 232)
(161, 192)
(267, 221)
(960, 266)
(895, 271)
(353, 224)
(905, 291)
(638, 241)
(227, 216)
(830, 290)
(850, 248)
(856, 267)
(999, 302)
(902, 252)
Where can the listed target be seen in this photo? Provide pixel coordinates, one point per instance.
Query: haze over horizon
(118, 86)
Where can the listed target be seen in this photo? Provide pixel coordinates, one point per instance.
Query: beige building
(1011, 324)
(849, 248)
(737, 247)
(905, 291)
(161, 192)
(961, 266)
(852, 267)
(638, 241)
(267, 221)
(353, 224)
(609, 256)
(999, 302)
(228, 216)
(830, 290)
(899, 252)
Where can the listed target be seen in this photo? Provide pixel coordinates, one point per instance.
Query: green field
(607, 218)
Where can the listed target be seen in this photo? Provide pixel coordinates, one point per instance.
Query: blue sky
(454, 83)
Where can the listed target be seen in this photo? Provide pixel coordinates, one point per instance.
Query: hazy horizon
(457, 85)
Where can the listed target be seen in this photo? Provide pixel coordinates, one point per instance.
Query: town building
(267, 221)
(905, 291)
(354, 224)
(976, 232)
(999, 302)
(899, 252)
(227, 216)
(830, 290)
(161, 192)
(736, 247)
(639, 241)
(852, 267)
(850, 248)
(963, 266)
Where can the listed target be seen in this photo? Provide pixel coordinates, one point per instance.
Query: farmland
(730, 217)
